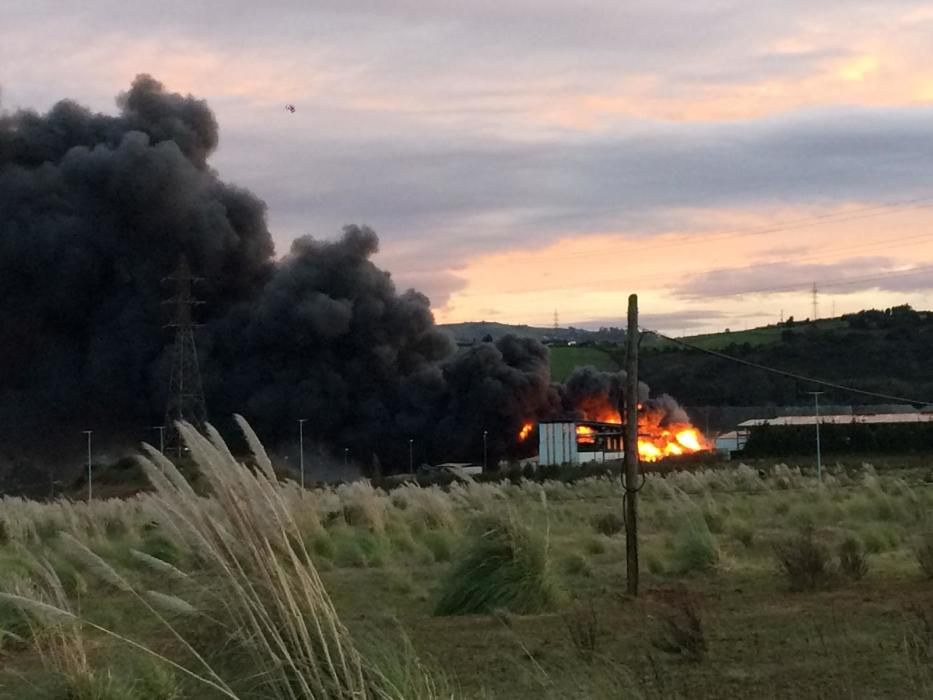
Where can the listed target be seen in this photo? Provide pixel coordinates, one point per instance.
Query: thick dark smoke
(588, 392)
(95, 210)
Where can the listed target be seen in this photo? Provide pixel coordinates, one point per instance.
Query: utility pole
(161, 429)
(816, 405)
(485, 449)
(90, 484)
(301, 450)
(631, 447)
(816, 303)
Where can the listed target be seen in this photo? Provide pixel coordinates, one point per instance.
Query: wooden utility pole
(631, 447)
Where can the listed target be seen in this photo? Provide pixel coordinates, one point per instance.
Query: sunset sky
(522, 157)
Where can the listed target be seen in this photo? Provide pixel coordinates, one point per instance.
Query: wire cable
(791, 375)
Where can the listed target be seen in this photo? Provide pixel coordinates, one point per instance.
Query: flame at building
(592, 399)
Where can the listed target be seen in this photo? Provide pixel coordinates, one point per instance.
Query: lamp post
(411, 456)
(816, 413)
(485, 449)
(161, 429)
(301, 450)
(90, 485)
(346, 456)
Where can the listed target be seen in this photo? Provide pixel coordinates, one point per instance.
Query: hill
(886, 352)
(476, 331)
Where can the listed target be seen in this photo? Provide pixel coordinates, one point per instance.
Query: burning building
(591, 428)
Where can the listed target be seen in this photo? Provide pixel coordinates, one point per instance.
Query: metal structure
(186, 394)
(559, 442)
(816, 419)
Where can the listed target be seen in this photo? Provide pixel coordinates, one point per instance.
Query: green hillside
(887, 352)
(565, 359)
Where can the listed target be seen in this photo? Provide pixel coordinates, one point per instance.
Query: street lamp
(346, 456)
(161, 429)
(816, 405)
(411, 456)
(90, 485)
(485, 449)
(301, 450)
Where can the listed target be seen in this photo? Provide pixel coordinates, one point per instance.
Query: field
(758, 585)
(764, 335)
(565, 359)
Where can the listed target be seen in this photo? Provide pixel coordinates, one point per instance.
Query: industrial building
(578, 442)
(735, 440)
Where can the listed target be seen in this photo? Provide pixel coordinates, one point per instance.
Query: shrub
(714, 519)
(323, 546)
(852, 560)
(742, 532)
(507, 567)
(681, 630)
(654, 563)
(923, 551)
(609, 524)
(438, 542)
(576, 564)
(694, 547)
(584, 629)
(804, 562)
(595, 545)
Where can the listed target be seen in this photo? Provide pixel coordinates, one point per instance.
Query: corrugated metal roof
(846, 418)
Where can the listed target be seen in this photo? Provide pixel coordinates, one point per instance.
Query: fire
(690, 439)
(586, 435)
(525, 431)
(655, 441)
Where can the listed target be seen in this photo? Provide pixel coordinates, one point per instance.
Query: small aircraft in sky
(290, 108)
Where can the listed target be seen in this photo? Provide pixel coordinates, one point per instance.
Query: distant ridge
(471, 332)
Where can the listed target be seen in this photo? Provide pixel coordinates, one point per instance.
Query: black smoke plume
(95, 210)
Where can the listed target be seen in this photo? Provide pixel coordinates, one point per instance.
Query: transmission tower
(816, 302)
(556, 320)
(186, 394)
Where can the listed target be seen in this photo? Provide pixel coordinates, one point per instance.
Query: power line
(784, 373)
(837, 282)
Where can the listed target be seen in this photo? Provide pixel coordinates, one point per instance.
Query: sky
(521, 158)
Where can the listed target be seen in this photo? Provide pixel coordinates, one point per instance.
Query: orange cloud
(590, 277)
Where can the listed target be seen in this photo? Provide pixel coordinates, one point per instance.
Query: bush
(804, 562)
(923, 551)
(681, 630)
(506, 567)
(575, 564)
(584, 629)
(695, 547)
(852, 560)
(741, 531)
(609, 524)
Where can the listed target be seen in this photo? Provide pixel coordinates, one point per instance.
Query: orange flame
(586, 435)
(654, 441)
(525, 432)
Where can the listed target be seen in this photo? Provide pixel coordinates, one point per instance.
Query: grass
(262, 581)
(564, 360)
(506, 566)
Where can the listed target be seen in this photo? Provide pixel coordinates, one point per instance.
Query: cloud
(845, 277)
(461, 129)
